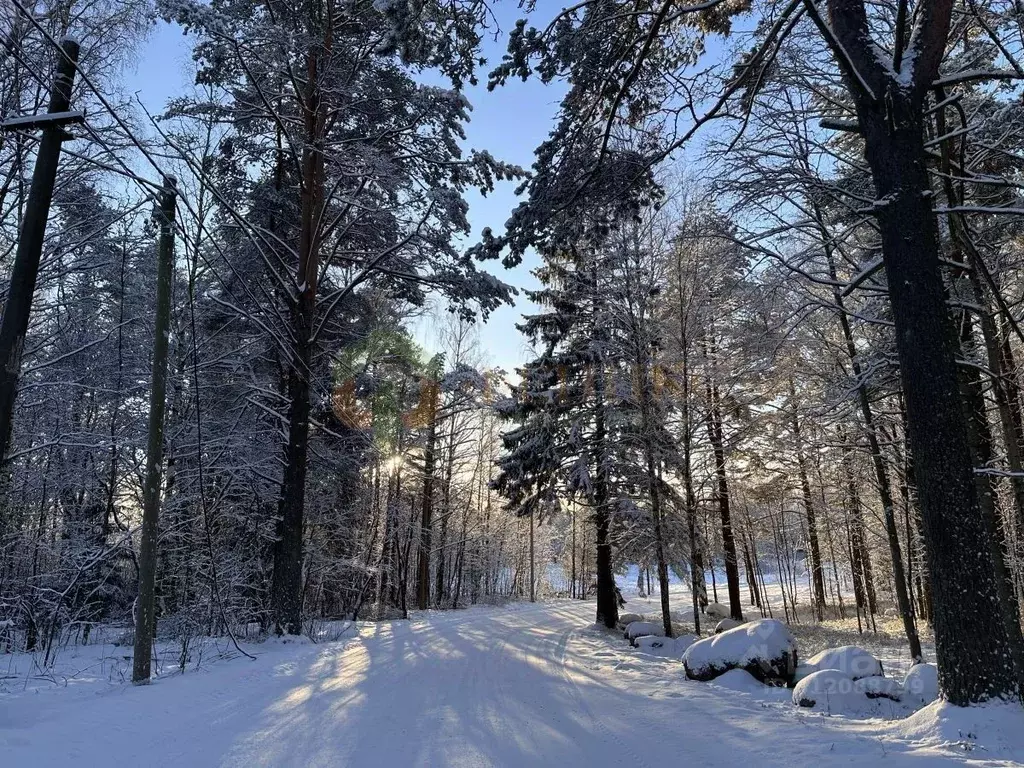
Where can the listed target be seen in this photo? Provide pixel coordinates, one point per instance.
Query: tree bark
(426, 521)
(971, 644)
(818, 581)
(288, 553)
(145, 614)
(607, 604)
(732, 571)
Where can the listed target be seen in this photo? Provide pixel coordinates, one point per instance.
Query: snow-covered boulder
(625, 619)
(878, 687)
(765, 648)
(683, 642)
(726, 624)
(642, 629)
(803, 669)
(739, 680)
(831, 691)
(656, 646)
(717, 611)
(851, 660)
(921, 685)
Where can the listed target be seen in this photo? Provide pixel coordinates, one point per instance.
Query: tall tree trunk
(981, 446)
(698, 587)
(818, 598)
(878, 464)
(145, 617)
(607, 604)
(732, 571)
(426, 521)
(288, 555)
(973, 650)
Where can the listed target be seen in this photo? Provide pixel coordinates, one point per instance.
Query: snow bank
(716, 611)
(831, 691)
(851, 660)
(996, 727)
(641, 629)
(922, 683)
(764, 648)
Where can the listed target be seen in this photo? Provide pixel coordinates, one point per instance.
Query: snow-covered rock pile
(851, 660)
(764, 648)
(847, 681)
(747, 656)
(667, 647)
(636, 629)
(879, 688)
(832, 691)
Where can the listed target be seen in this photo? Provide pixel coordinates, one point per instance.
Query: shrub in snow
(679, 629)
(726, 624)
(922, 684)
(642, 628)
(832, 691)
(853, 661)
(764, 648)
(879, 688)
(716, 611)
(626, 619)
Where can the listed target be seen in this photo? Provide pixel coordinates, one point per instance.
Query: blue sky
(509, 122)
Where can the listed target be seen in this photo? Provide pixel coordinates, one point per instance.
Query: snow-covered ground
(511, 686)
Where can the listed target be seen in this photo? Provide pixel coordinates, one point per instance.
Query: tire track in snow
(609, 734)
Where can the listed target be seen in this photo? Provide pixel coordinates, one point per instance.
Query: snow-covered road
(518, 686)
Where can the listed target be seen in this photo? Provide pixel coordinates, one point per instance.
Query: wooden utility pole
(14, 325)
(146, 608)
